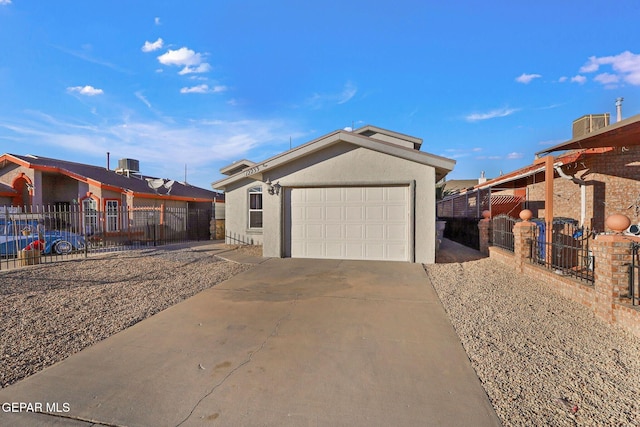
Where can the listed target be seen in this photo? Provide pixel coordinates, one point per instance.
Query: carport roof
(442, 165)
(622, 134)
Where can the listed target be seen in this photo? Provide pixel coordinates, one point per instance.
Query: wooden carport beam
(548, 205)
(548, 201)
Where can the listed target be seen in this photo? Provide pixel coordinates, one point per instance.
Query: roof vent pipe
(619, 108)
(108, 163)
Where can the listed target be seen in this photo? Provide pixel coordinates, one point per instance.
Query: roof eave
(442, 165)
(623, 133)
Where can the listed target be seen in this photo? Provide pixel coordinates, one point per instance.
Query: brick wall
(613, 180)
(606, 297)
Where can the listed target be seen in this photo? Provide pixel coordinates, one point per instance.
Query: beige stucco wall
(342, 164)
(237, 214)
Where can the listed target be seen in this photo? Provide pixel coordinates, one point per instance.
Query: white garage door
(369, 223)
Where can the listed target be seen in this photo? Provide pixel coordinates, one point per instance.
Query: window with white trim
(255, 207)
(111, 214)
(90, 215)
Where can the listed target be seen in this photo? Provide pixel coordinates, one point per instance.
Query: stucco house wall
(337, 160)
(343, 165)
(237, 213)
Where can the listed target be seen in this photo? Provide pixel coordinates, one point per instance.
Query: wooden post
(548, 206)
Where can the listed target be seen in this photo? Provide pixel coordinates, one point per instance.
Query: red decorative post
(612, 254)
(522, 237)
(484, 229)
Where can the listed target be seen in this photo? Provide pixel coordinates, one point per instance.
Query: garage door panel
(376, 194)
(333, 231)
(314, 213)
(354, 251)
(374, 232)
(396, 231)
(395, 213)
(374, 251)
(353, 194)
(354, 231)
(396, 252)
(333, 213)
(354, 213)
(314, 195)
(374, 213)
(333, 194)
(350, 223)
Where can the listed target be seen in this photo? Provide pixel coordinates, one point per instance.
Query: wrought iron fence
(634, 273)
(41, 234)
(502, 232)
(568, 251)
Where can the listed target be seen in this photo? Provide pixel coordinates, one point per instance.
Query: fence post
(522, 237)
(484, 231)
(612, 254)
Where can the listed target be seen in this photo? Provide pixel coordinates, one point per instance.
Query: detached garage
(365, 195)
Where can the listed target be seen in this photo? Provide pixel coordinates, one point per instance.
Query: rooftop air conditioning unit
(129, 165)
(589, 123)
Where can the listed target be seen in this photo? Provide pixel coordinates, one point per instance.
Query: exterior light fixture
(273, 189)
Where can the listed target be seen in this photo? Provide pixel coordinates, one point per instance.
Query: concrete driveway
(291, 342)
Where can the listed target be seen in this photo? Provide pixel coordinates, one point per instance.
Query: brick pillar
(522, 237)
(484, 229)
(612, 258)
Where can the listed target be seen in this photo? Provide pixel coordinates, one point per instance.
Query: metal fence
(502, 232)
(634, 273)
(41, 234)
(568, 251)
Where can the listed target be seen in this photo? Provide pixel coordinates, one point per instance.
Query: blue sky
(204, 83)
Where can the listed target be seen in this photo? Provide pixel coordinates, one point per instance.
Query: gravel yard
(543, 360)
(50, 311)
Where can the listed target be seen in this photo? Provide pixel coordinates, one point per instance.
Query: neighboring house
(462, 199)
(597, 174)
(367, 194)
(100, 193)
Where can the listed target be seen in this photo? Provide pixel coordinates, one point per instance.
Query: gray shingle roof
(135, 183)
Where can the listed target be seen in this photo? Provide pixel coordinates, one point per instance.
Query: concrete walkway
(289, 342)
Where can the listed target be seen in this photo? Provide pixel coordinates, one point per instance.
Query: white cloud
(502, 112)
(202, 68)
(607, 79)
(85, 90)
(4, 2)
(156, 20)
(626, 66)
(163, 148)
(319, 100)
(142, 98)
(527, 78)
(563, 79)
(514, 155)
(184, 57)
(349, 92)
(204, 88)
(578, 79)
(195, 89)
(150, 47)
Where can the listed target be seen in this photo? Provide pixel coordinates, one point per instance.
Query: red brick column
(522, 237)
(612, 258)
(484, 229)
